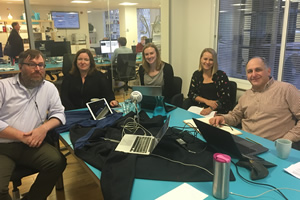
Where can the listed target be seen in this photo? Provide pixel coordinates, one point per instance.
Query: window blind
(249, 28)
(291, 67)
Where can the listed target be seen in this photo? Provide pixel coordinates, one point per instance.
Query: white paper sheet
(197, 110)
(184, 191)
(294, 170)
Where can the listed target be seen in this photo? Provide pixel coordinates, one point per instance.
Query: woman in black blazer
(85, 82)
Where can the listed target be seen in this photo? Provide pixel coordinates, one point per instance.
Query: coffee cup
(283, 148)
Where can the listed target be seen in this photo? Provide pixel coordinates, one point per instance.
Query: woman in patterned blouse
(209, 86)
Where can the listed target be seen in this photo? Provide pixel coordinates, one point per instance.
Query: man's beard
(29, 82)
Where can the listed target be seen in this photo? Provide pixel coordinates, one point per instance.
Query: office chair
(177, 98)
(125, 69)
(133, 48)
(66, 67)
(97, 50)
(23, 171)
(233, 91)
(67, 63)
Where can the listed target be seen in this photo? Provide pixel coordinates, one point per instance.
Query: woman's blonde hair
(215, 59)
(158, 61)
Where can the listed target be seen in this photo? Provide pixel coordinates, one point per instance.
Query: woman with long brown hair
(85, 82)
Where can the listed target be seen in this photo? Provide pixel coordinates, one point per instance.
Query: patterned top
(272, 113)
(221, 83)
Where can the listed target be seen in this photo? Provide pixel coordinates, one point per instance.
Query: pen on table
(252, 141)
(226, 125)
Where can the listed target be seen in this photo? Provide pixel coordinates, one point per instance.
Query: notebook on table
(228, 143)
(140, 144)
(232, 130)
(99, 109)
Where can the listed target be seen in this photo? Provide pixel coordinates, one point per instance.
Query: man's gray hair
(263, 59)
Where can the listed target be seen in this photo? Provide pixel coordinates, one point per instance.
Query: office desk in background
(6, 70)
(152, 189)
(106, 64)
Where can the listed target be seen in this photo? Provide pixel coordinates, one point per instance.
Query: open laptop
(140, 144)
(149, 93)
(228, 143)
(99, 109)
(148, 90)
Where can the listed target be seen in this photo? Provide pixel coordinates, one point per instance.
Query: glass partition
(81, 25)
(10, 13)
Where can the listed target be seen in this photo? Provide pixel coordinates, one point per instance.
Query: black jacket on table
(167, 91)
(75, 94)
(221, 82)
(120, 169)
(16, 43)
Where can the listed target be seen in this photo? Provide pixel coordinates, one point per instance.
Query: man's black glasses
(33, 65)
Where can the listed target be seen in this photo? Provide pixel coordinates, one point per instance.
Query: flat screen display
(44, 46)
(65, 20)
(105, 46)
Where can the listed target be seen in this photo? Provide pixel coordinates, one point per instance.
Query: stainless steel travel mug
(221, 175)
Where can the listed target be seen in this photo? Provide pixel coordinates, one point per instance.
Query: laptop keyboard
(141, 144)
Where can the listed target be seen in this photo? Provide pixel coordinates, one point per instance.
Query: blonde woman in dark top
(209, 86)
(156, 72)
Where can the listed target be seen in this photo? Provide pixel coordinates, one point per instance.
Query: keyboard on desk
(6, 68)
(141, 144)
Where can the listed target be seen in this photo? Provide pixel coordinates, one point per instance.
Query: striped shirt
(272, 113)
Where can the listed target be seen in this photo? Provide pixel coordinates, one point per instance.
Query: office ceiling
(95, 4)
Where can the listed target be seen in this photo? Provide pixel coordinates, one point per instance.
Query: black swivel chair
(23, 171)
(66, 67)
(125, 69)
(133, 48)
(67, 63)
(177, 99)
(233, 91)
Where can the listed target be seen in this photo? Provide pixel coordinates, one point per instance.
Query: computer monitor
(148, 40)
(44, 46)
(108, 46)
(60, 48)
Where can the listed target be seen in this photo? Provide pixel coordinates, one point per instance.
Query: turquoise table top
(152, 189)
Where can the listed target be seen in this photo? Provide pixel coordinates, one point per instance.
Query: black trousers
(46, 159)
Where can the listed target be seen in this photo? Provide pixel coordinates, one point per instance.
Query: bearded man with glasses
(29, 107)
